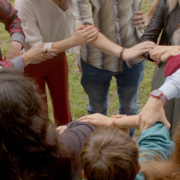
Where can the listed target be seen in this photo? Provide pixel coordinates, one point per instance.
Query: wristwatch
(159, 94)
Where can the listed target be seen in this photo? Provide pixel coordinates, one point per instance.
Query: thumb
(80, 27)
(41, 45)
(55, 51)
(166, 123)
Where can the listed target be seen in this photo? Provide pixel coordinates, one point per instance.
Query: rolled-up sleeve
(171, 87)
(18, 63)
(82, 12)
(156, 141)
(76, 134)
(9, 17)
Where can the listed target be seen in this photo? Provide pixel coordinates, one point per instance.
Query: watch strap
(161, 96)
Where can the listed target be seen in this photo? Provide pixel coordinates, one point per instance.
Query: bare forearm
(105, 45)
(153, 8)
(127, 122)
(64, 44)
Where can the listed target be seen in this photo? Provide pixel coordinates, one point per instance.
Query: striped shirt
(114, 18)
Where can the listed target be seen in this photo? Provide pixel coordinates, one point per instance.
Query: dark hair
(109, 154)
(29, 147)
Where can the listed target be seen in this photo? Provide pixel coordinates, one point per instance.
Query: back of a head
(109, 154)
(29, 147)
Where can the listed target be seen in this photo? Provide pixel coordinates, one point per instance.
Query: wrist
(26, 58)
(158, 95)
(155, 101)
(74, 41)
(16, 44)
(111, 122)
(124, 55)
(149, 15)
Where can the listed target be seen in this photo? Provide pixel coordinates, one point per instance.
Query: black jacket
(164, 21)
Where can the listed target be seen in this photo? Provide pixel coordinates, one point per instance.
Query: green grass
(78, 98)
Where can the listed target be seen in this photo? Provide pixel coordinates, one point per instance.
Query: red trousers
(54, 73)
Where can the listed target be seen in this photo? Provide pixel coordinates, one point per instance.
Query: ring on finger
(46, 51)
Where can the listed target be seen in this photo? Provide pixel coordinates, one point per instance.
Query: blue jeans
(96, 84)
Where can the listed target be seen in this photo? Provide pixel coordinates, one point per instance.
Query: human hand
(61, 129)
(77, 70)
(152, 113)
(136, 51)
(86, 34)
(37, 54)
(97, 120)
(166, 56)
(13, 51)
(163, 53)
(141, 20)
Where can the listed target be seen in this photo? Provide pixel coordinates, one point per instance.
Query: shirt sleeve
(171, 87)
(172, 65)
(156, 141)
(9, 16)
(17, 63)
(82, 12)
(29, 24)
(76, 134)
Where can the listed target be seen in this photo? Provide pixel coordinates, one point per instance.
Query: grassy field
(78, 98)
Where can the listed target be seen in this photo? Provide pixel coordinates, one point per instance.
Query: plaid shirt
(6, 64)
(114, 18)
(9, 16)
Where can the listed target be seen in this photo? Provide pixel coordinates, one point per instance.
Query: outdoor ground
(78, 98)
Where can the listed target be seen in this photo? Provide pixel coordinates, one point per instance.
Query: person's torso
(51, 20)
(171, 23)
(114, 18)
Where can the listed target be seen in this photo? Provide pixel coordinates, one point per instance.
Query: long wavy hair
(172, 4)
(30, 148)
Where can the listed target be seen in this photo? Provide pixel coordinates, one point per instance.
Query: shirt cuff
(18, 37)
(18, 63)
(48, 45)
(85, 21)
(169, 90)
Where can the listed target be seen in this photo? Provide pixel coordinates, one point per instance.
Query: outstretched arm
(82, 12)
(105, 45)
(153, 111)
(99, 120)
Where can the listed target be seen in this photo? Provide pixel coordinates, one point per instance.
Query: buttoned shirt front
(114, 18)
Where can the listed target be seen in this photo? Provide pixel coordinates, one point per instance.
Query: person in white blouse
(50, 21)
(46, 21)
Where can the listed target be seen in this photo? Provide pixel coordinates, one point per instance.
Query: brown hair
(109, 154)
(162, 170)
(29, 148)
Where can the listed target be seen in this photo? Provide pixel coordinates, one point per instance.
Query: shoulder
(140, 176)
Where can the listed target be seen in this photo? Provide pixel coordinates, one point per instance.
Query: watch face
(156, 93)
